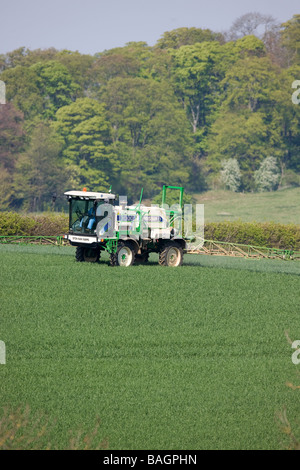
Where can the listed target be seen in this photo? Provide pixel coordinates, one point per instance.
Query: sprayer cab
(83, 210)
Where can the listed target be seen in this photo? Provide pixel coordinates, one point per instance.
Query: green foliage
(41, 88)
(249, 45)
(290, 36)
(12, 140)
(78, 66)
(268, 234)
(87, 135)
(46, 224)
(49, 224)
(150, 134)
(7, 193)
(146, 116)
(250, 84)
(172, 198)
(291, 178)
(25, 57)
(39, 172)
(23, 90)
(196, 75)
(186, 37)
(12, 223)
(55, 86)
(11, 135)
(129, 61)
(244, 138)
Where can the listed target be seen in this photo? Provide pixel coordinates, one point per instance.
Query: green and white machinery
(128, 233)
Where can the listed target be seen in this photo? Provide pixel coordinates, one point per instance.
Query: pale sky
(91, 26)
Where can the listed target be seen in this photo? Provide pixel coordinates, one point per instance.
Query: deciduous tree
(186, 37)
(243, 137)
(267, 176)
(231, 174)
(290, 36)
(11, 135)
(251, 23)
(55, 86)
(40, 172)
(150, 133)
(87, 135)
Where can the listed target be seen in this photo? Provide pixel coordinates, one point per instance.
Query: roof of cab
(90, 195)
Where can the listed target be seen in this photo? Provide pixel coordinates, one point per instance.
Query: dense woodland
(200, 109)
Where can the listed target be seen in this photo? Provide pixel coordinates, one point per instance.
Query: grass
(281, 206)
(187, 358)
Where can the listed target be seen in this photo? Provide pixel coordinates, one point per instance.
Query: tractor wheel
(142, 259)
(171, 255)
(88, 254)
(124, 256)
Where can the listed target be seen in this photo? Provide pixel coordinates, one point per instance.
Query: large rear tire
(88, 254)
(171, 255)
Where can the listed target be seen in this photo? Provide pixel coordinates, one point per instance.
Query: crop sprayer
(128, 233)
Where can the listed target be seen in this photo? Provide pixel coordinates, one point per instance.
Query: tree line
(199, 108)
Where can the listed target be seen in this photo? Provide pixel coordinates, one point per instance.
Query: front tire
(124, 256)
(171, 255)
(87, 254)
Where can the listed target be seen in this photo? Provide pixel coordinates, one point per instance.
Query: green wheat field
(196, 357)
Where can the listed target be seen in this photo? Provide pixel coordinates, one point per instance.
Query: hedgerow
(269, 234)
(12, 223)
(46, 224)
